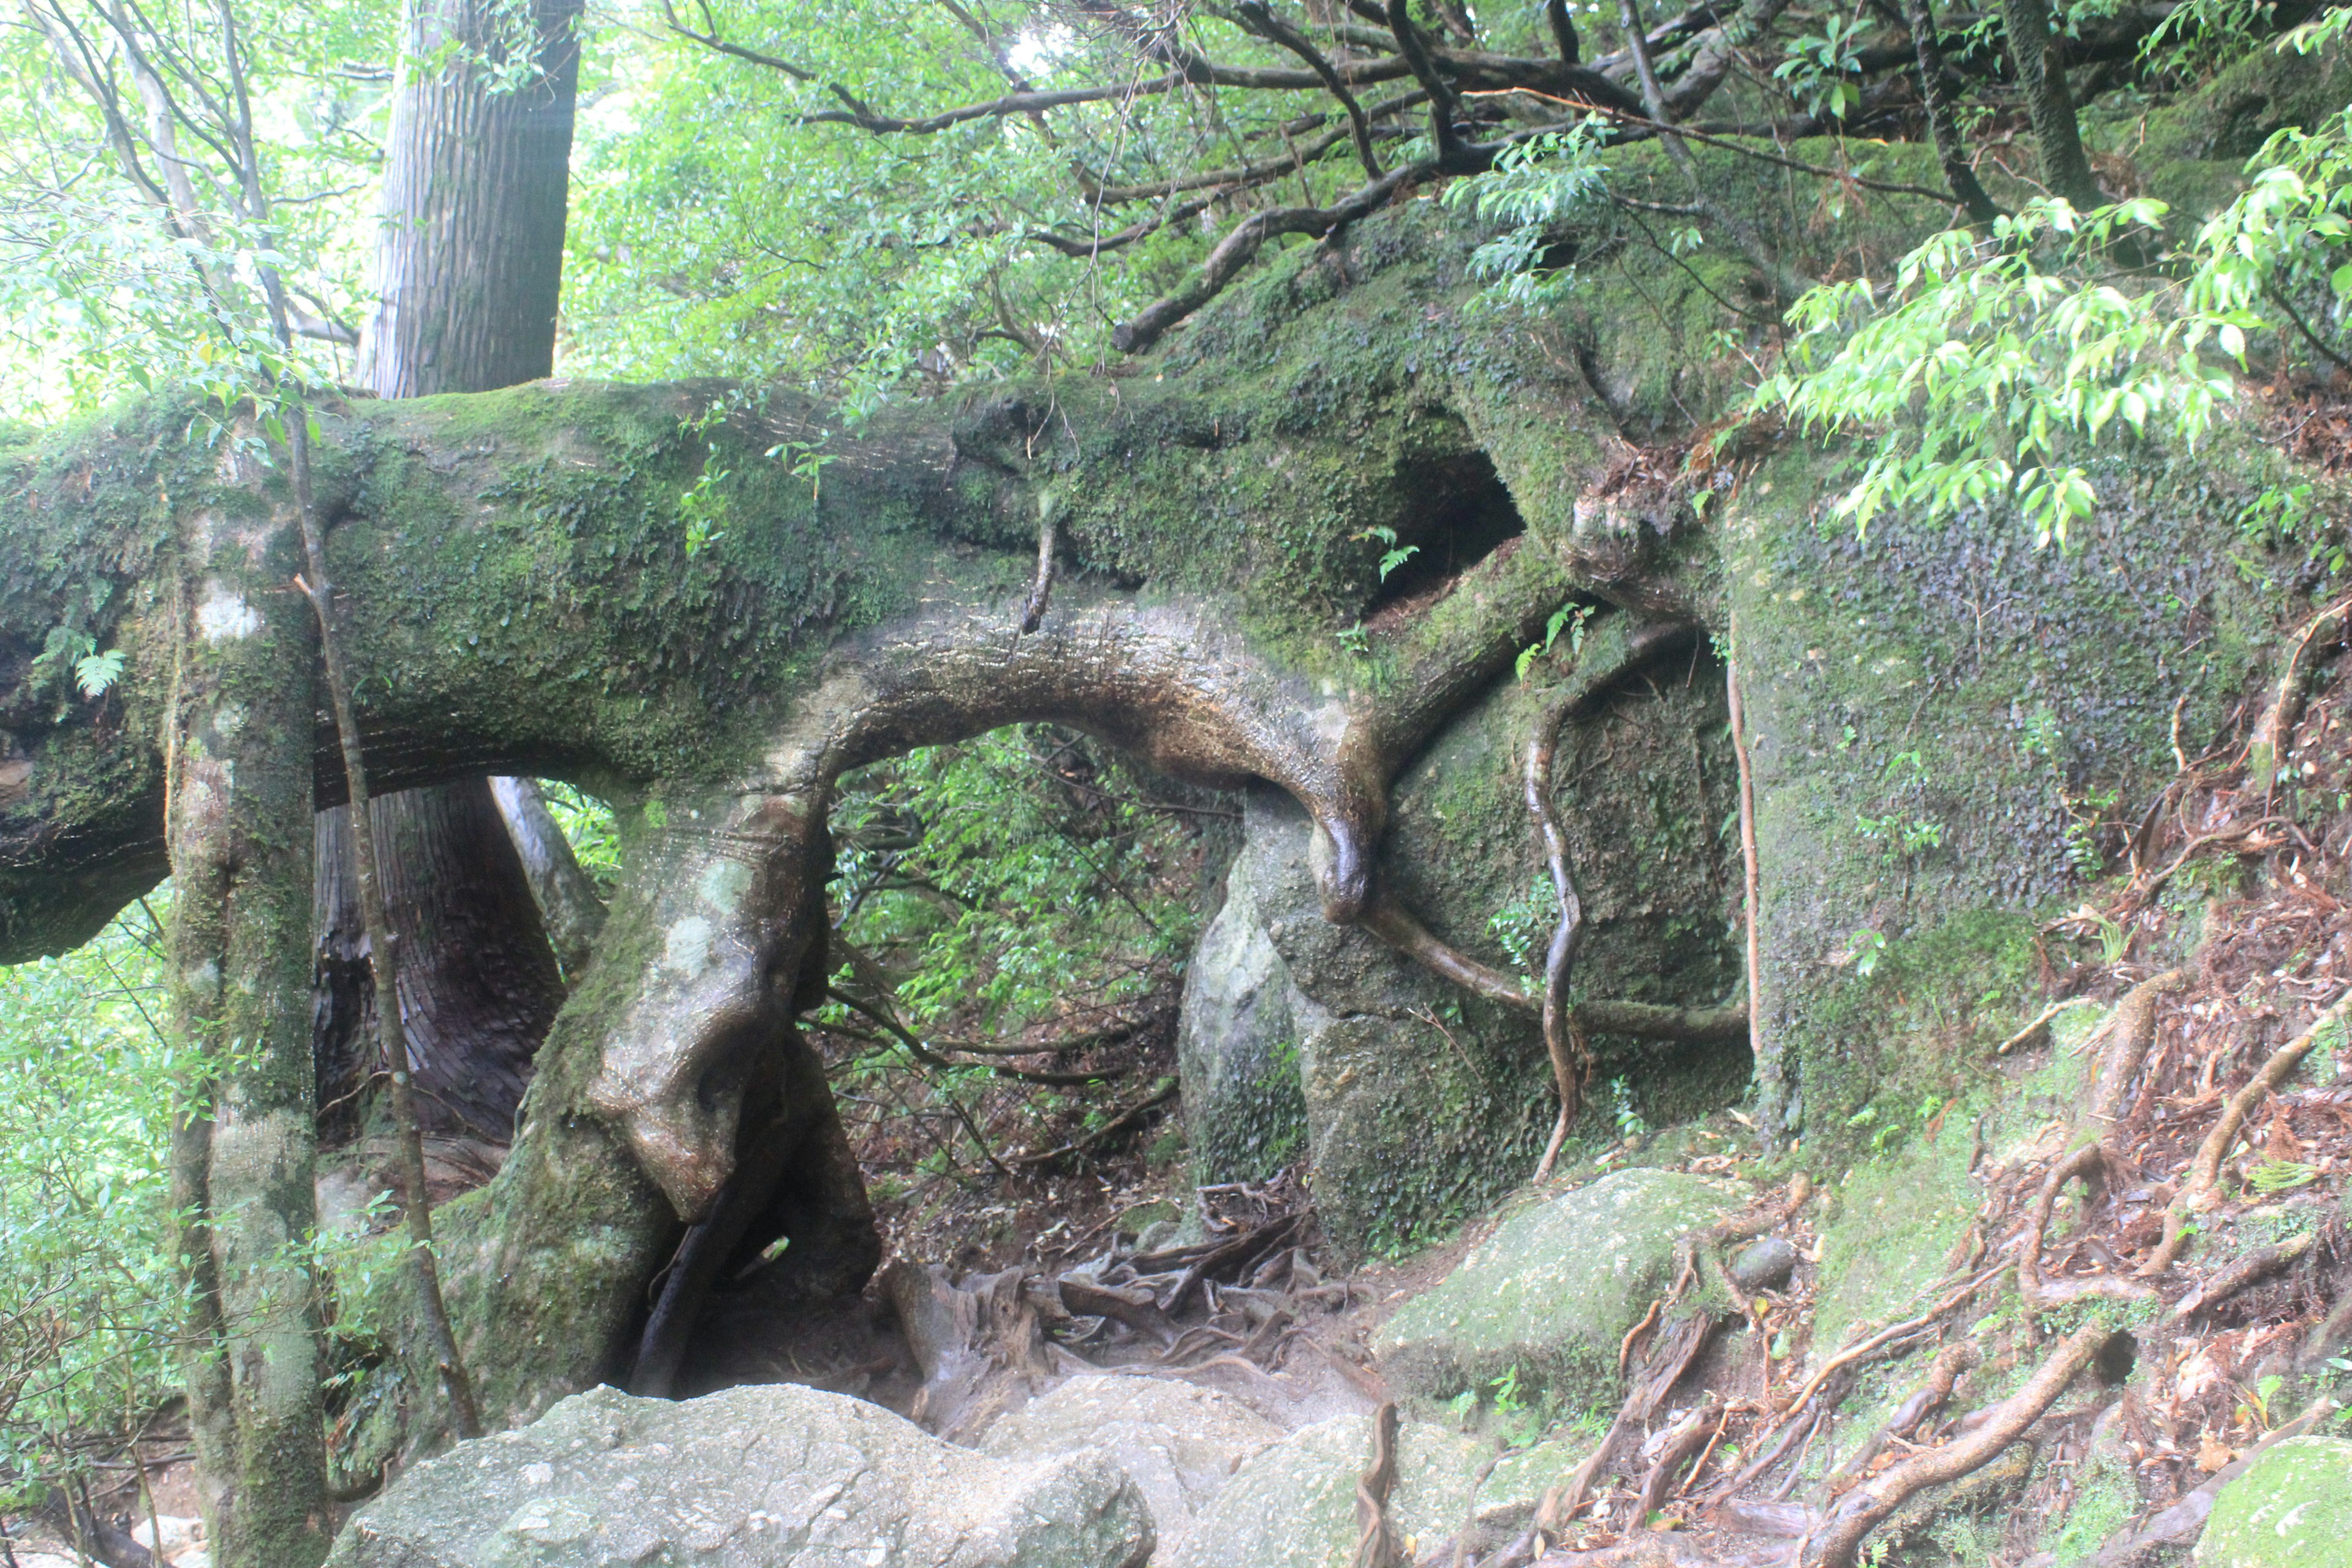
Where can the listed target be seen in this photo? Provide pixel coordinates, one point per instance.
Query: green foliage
(1993, 365)
(100, 287)
(588, 827)
(1821, 68)
(1523, 926)
(1002, 877)
(89, 1301)
(1536, 188)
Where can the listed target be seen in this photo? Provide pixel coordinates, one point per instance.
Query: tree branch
(1254, 15)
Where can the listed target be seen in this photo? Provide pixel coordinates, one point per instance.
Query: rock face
(773, 1476)
(1237, 1046)
(1294, 1504)
(2292, 1509)
(1553, 1292)
(1417, 1104)
(1178, 1441)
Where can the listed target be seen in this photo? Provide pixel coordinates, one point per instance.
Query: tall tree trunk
(470, 264)
(470, 257)
(244, 1143)
(479, 985)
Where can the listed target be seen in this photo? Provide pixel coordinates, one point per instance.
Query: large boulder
(1292, 1505)
(2292, 1508)
(772, 1476)
(1553, 1292)
(1179, 1441)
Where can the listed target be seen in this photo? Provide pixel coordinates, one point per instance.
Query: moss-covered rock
(2292, 1509)
(776, 1475)
(1293, 1504)
(1553, 1292)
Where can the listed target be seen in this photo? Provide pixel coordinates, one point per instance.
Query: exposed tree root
(1685, 1436)
(1563, 1041)
(1767, 1069)
(1396, 925)
(1376, 1544)
(1883, 1339)
(2043, 1295)
(1867, 1505)
(2276, 727)
(1954, 1359)
(2198, 1191)
(1660, 1369)
(2254, 1266)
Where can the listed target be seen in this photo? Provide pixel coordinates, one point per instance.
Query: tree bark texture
(468, 269)
(2041, 78)
(478, 985)
(238, 742)
(470, 257)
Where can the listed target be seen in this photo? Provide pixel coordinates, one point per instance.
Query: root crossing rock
(774, 1476)
(1554, 1290)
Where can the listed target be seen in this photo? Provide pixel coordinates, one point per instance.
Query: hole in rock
(1464, 514)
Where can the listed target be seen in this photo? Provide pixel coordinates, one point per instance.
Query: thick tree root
(2044, 1295)
(2276, 727)
(2200, 1191)
(2254, 1266)
(1662, 1368)
(1867, 1505)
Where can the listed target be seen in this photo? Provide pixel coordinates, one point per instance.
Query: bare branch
(1254, 14)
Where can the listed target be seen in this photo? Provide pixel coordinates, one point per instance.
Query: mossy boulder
(1293, 1504)
(1417, 1104)
(1180, 1442)
(771, 1475)
(1553, 1292)
(2292, 1509)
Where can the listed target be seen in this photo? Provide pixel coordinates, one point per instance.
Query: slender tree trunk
(2043, 79)
(568, 901)
(1959, 173)
(244, 1148)
(470, 264)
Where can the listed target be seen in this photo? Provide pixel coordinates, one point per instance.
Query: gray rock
(1237, 1046)
(1294, 1504)
(1553, 1292)
(1766, 1264)
(1179, 1441)
(773, 1476)
(2292, 1508)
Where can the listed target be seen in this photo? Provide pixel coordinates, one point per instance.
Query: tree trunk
(568, 900)
(2043, 79)
(470, 264)
(479, 985)
(244, 1143)
(469, 258)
